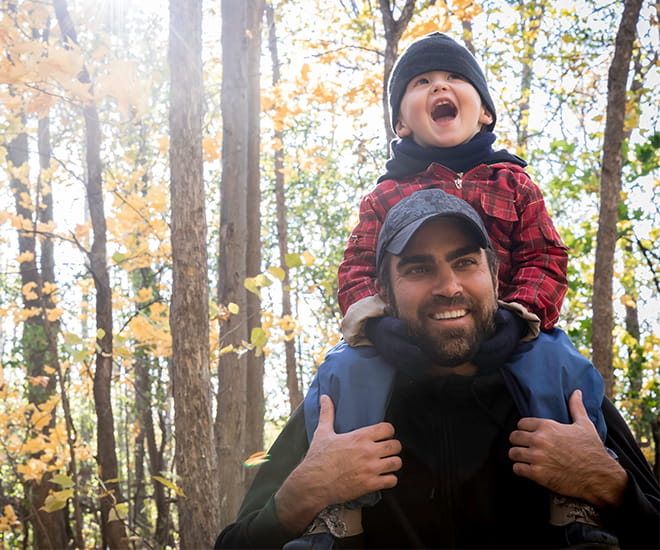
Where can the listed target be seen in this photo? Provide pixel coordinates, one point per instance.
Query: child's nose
(439, 85)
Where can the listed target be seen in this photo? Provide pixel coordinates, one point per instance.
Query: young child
(443, 114)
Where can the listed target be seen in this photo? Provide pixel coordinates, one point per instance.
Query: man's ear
(382, 292)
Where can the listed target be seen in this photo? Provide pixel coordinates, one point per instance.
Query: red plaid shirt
(533, 258)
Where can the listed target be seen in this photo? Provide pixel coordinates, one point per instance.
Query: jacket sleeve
(539, 258)
(257, 525)
(357, 272)
(636, 522)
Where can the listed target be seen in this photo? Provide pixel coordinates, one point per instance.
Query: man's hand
(337, 468)
(569, 459)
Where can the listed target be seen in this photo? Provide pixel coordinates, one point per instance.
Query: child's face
(441, 109)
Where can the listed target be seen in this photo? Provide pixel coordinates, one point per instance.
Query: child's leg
(541, 375)
(359, 383)
(546, 371)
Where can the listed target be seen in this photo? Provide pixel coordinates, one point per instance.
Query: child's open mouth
(444, 110)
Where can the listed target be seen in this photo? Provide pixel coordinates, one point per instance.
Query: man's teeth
(450, 314)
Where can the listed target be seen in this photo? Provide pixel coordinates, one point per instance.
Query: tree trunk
(292, 381)
(610, 188)
(49, 528)
(531, 14)
(112, 528)
(196, 462)
(394, 28)
(255, 363)
(231, 420)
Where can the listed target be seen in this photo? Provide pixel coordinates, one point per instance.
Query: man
(464, 469)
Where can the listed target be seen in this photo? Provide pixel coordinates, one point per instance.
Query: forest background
(178, 185)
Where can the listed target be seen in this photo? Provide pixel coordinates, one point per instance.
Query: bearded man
(464, 470)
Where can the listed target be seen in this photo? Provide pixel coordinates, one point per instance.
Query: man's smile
(455, 314)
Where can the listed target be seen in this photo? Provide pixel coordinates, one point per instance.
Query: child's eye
(455, 76)
(421, 80)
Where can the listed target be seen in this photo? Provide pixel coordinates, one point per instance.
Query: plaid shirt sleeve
(357, 272)
(537, 258)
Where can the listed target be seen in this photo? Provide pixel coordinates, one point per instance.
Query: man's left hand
(569, 459)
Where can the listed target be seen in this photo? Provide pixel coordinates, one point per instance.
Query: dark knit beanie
(436, 52)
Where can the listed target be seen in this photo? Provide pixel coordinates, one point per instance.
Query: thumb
(326, 415)
(576, 408)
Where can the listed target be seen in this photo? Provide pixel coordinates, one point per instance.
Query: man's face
(442, 286)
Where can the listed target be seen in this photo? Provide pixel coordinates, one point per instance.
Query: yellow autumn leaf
(54, 314)
(28, 291)
(25, 257)
(233, 308)
(33, 469)
(144, 294)
(308, 258)
(227, 349)
(170, 485)
(628, 301)
(276, 272)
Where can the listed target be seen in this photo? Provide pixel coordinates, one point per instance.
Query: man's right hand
(337, 468)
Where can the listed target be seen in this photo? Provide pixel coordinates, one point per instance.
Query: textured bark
(195, 456)
(254, 420)
(231, 420)
(292, 380)
(610, 190)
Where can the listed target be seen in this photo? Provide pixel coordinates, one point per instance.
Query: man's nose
(447, 284)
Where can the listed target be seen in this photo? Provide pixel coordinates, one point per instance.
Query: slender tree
(231, 421)
(610, 190)
(254, 421)
(112, 527)
(195, 455)
(292, 381)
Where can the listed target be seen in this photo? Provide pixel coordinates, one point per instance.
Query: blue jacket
(541, 375)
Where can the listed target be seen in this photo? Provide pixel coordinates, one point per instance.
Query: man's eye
(417, 270)
(465, 262)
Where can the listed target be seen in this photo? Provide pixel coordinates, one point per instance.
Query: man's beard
(453, 347)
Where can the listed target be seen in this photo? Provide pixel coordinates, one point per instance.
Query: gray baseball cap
(409, 214)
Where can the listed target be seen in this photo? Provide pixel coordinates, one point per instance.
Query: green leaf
(293, 260)
(118, 512)
(63, 480)
(57, 500)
